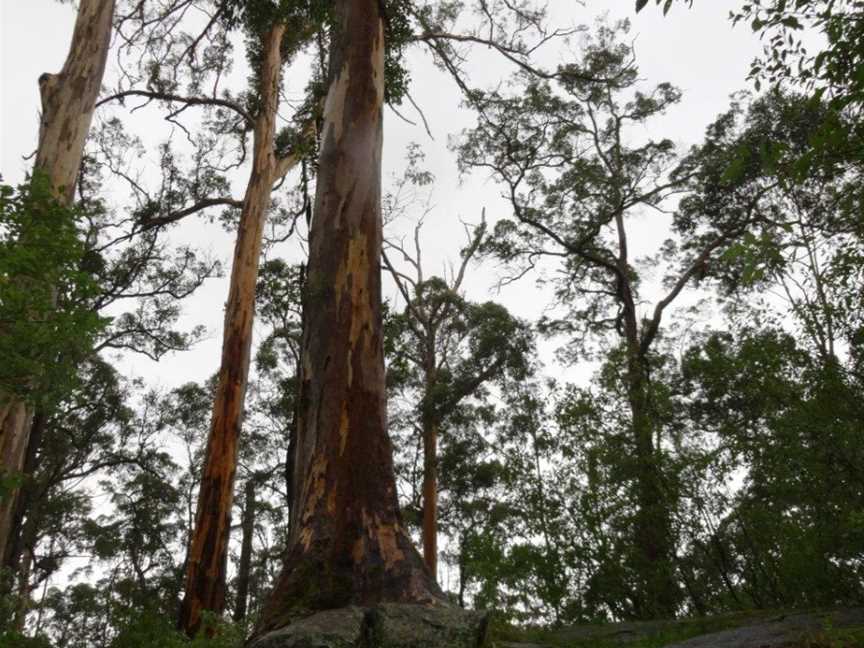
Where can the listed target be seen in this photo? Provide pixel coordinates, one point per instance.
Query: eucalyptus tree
(447, 349)
(280, 34)
(68, 101)
(575, 176)
(347, 543)
(88, 268)
(172, 61)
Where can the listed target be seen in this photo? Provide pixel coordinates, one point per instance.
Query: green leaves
(45, 318)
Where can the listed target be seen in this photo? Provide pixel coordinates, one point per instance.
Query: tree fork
(347, 543)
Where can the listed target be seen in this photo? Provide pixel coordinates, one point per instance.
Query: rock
(419, 626)
(753, 629)
(383, 626)
(777, 632)
(329, 629)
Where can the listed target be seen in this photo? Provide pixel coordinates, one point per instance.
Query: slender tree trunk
(15, 421)
(347, 543)
(659, 597)
(248, 527)
(68, 102)
(430, 496)
(19, 550)
(22, 605)
(208, 550)
(430, 424)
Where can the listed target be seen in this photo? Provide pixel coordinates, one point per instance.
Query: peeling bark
(208, 550)
(347, 543)
(68, 102)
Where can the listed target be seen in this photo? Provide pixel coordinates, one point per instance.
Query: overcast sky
(696, 50)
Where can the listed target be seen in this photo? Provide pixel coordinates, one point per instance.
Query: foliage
(564, 158)
(793, 531)
(834, 73)
(45, 291)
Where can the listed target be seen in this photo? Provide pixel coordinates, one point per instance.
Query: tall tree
(208, 551)
(347, 542)
(68, 101)
(447, 348)
(574, 176)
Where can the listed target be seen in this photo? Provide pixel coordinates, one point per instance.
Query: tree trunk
(208, 550)
(430, 496)
(248, 527)
(347, 543)
(68, 102)
(430, 421)
(15, 422)
(658, 597)
(22, 604)
(22, 537)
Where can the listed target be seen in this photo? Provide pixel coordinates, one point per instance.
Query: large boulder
(383, 626)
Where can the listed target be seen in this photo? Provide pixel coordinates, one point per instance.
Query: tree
(805, 239)
(447, 349)
(68, 101)
(789, 536)
(347, 543)
(208, 551)
(573, 180)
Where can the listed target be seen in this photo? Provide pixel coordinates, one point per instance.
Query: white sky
(696, 50)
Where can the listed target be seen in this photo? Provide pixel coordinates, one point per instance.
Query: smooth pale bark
(347, 543)
(208, 550)
(68, 102)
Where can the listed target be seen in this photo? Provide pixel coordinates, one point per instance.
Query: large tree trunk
(68, 102)
(347, 543)
(208, 550)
